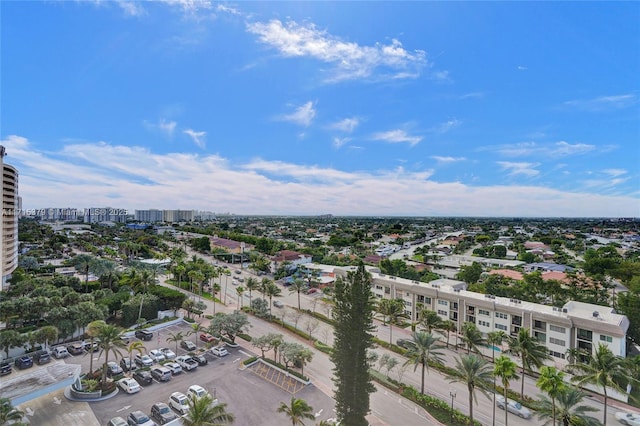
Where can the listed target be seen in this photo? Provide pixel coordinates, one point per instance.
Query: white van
(60, 352)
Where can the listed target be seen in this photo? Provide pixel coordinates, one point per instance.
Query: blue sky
(355, 108)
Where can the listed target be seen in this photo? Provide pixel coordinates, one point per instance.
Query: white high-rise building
(9, 223)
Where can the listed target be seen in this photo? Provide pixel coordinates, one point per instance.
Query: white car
(187, 363)
(629, 419)
(157, 355)
(196, 391)
(179, 402)
(513, 407)
(143, 360)
(174, 367)
(219, 351)
(129, 385)
(168, 353)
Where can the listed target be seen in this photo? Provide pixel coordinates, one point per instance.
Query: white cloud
(514, 169)
(189, 6)
(338, 142)
(448, 125)
(303, 115)
(447, 160)
(349, 59)
(199, 138)
(96, 174)
(522, 68)
(472, 95)
(562, 148)
(227, 9)
(346, 125)
(397, 136)
(167, 127)
(552, 150)
(132, 8)
(603, 103)
(615, 172)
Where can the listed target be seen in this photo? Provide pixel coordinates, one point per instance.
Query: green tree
(472, 337)
(136, 346)
(566, 411)
(392, 309)
(296, 287)
(196, 328)
(532, 353)
(447, 327)
(175, 337)
(10, 415)
(252, 284)
(93, 329)
(353, 316)
(470, 274)
(297, 410)
(476, 373)
(271, 290)
(10, 339)
(505, 369)
(109, 339)
(84, 264)
(204, 411)
(551, 381)
(430, 320)
(602, 369)
(495, 338)
(423, 349)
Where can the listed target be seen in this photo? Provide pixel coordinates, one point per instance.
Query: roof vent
(596, 314)
(565, 310)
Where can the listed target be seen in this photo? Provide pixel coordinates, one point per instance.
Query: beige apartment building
(9, 223)
(575, 325)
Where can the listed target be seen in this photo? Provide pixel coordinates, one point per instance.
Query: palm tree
(9, 414)
(447, 326)
(297, 410)
(175, 337)
(567, 412)
(240, 291)
(430, 320)
(109, 340)
(472, 337)
(84, 263)
(475, 372)
(495, 338)
(136, 346)
(504, 368)
(93, 328)
(296, 287)
(603, 369)
(252, 284)
(532, 353)
(271, 290)
(196, 328)
(552, 382)
(393, 309)
(423, 349)
(204, 411)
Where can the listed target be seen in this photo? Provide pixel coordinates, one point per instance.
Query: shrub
(249, 360)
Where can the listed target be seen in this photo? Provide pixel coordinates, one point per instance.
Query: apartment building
(154, 215)
(9, 224)
(575, 325)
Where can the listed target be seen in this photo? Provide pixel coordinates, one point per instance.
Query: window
(556, 354)
(407, 294)
(483, 312)
(427, 300)
(585, 335)
(557, 329)
(540, 325)
(378, 287)
(407, 303)
(501, 327)
(387, 290)
(501, 315)
(604, 338)
(441, 312)
(555, 341)
(443, 302)
(484, 323)
(454, 305)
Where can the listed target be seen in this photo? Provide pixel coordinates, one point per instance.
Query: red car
(207, 338)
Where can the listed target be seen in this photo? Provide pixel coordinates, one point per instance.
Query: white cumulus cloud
(397, 136)
(303, 115)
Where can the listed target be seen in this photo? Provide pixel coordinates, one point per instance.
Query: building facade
(10, 208)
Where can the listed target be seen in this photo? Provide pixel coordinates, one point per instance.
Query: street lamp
(452, 393)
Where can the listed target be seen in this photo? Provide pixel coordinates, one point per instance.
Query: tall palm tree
(505, 368)
(392, 309)
(495, 338)
(84, 263)
(447, 326)
(240, 291)
(175, 337)
(532, 353)
(297, 410)
(476, 373)
(271, 290)
(567, 412)
(552, 382)
(93, 329)
(252, 284)
(472, 337)
(9, 414)
(603, 369)
(423, 348)
(430, 320)
(109, 341)
(296, 287)
(196, 328)
(204, 411)
(136, 346)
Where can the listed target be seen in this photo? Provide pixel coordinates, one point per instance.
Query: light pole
(453, 395)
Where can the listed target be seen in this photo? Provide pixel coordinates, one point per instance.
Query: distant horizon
(452, 109)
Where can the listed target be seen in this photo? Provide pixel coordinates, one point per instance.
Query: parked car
(76, 349)
(161, 373)
(238, 271)
(144, 335)
(513, 407)
(219, 351)
(60, 352)
(629, 419)
(91, 347)
(156, 355)
(143, 377)
(129, 385)
(174, 367)
(187, 362)
(206, 337)
(168, 353)
(201, 359)
(278, 304)
(196, 391)
(138, 418)
(5, 368)
(179, 402)
(127, 364)
(404, 343)
(24, 362)
(113, 369)
(143, 360)
(161, 413)
(117, 421)
(42, 357)
(188, 345)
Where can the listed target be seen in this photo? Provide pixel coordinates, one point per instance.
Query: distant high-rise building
(9, 223)
(151, 216)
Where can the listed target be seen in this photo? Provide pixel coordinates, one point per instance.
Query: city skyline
(419, 109)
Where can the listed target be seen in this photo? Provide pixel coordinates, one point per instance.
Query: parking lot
(252, 399)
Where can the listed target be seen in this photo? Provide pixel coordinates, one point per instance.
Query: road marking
(56, 400)
(319, 412)
(244, 353)
(126, 407)
(236, 360)
(29, 412)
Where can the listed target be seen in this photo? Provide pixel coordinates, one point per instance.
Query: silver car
(513, 407)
